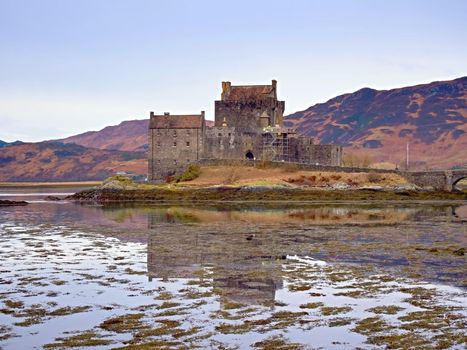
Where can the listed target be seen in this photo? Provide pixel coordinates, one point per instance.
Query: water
(311, 276)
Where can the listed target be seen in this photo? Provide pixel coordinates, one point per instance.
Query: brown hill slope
(51, 161)
(432, 118)
(130, 135)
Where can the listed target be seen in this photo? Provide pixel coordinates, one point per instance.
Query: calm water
(180, 277)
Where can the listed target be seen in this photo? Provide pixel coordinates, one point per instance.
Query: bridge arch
(457, 179)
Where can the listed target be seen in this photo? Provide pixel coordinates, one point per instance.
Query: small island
(264, 182)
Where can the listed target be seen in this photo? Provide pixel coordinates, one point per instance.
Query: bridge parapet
(441, 180)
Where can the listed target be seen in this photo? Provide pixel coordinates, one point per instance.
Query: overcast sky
(72, 66)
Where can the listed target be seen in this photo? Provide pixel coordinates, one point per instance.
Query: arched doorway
(249, 155)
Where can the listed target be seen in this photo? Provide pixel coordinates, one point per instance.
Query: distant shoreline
(50, 184)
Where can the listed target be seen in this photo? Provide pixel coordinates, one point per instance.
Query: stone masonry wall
(172, 150)
(302, 150)
(230, 143)
(249, 114)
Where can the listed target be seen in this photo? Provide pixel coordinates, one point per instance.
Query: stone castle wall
(230, 143)
(172, 150)
(249, 114)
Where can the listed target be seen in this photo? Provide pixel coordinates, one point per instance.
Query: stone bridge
(443, 180)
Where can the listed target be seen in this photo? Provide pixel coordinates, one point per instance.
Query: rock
(340, 186)
(52, 198)
(7, 203)
(118, 185)
(372, 188)
(406, 187)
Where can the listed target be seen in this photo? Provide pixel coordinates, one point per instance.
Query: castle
(248, 125)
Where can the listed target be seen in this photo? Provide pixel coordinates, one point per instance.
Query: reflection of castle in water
(246, 269)
(247, 265)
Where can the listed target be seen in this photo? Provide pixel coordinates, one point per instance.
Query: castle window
(230, 134)
(175, 133)
(158, 144)
(188, 143)
(220, 135)
(175, 144)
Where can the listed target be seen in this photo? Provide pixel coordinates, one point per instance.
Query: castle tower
(249, 107)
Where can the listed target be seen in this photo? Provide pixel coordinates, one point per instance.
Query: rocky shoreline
(256, 193)
(8, 203)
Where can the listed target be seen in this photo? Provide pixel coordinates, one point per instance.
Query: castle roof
(167, 121)
(252, 92)
(247, 92)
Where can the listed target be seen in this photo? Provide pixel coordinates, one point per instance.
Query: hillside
(129, 135)
(432, 118)
(372, 124)
(47, 161)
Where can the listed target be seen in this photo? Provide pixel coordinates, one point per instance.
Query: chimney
(274, 84)
(151, 114)
(225, 88)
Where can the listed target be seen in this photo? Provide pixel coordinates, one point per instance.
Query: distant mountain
(54, 161)
(5, 144)
(131, 135)
(431, 118)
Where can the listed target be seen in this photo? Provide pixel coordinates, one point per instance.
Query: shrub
(191, 173)
(336, 177)
(374, 177)
(119, 178)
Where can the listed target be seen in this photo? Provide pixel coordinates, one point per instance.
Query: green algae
(124, 323)
(335, 310)
(86, 339)
(370, 325)
(64, 311)
(311, 305)
(386, 309)
(13, 304)
(277, 343)
(168, 305)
